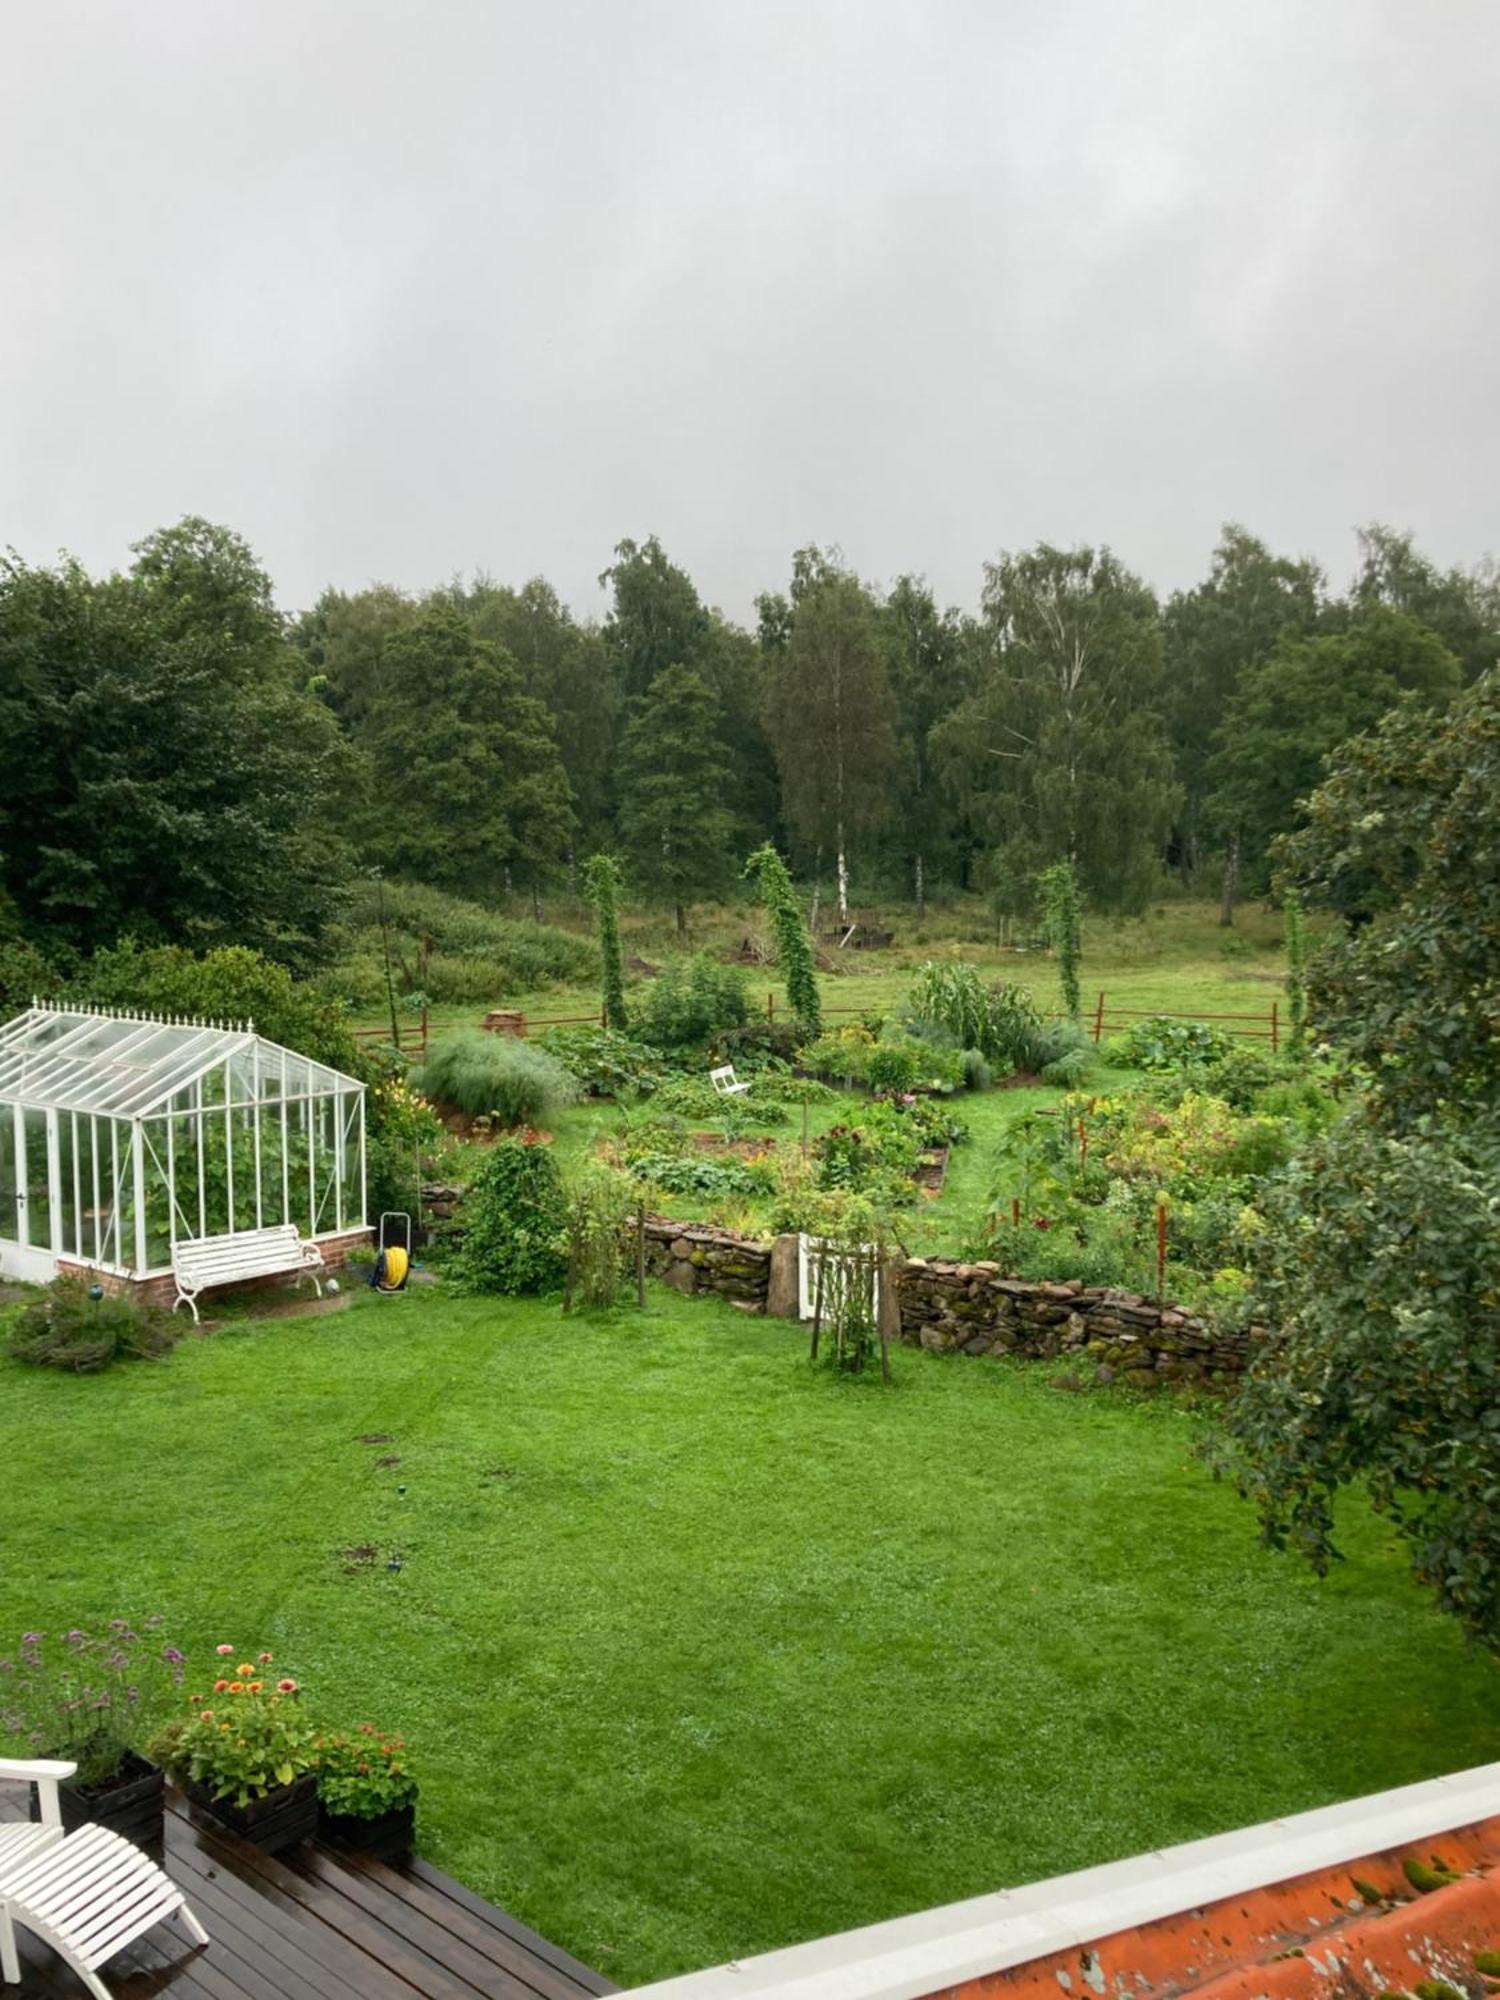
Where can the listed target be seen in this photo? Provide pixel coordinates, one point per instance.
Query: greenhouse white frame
(122, 1133)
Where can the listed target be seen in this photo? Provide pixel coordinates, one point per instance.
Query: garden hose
(393, 1277)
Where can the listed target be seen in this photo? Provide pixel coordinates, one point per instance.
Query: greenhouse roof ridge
(39, 1006)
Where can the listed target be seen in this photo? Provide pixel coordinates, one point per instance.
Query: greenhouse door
(25, 1196)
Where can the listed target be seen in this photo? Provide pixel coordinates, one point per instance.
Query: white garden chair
(88, 1893)
(726, 1083)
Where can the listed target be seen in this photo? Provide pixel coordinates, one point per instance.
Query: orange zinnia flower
(207, 1715)
(245, 1672)
(220, 1687)
(265, 1659)
(286, 1687)
(236, 1687)
(255, 1686)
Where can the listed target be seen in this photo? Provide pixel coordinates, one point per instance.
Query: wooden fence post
(771, 1009)
(1161, 1252)
(1099, 1020)
(1275, 1026)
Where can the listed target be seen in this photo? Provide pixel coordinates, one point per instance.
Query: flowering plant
(85, 1697)
(245, 1737)
(363, 1773)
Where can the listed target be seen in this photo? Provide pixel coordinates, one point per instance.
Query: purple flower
(75, 1637)
(172, 1657)
(32, 1638)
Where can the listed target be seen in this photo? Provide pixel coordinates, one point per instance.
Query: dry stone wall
(977, 1309)
(957, 1308)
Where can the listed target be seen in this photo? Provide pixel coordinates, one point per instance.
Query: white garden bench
(726, 1083)
(88, 1893)
(199, 1263)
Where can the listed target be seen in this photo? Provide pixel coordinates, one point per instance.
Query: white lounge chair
(726, 1083)
(88, 1893)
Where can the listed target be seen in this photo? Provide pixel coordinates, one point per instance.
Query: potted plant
(245, 1756)
(86, 1698)
(367, 1796)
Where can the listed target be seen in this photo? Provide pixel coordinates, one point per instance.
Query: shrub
(496, 1076)
(892, 1068)
(604, 1062)
(758, 1043)
(403, 1137)
(363, 1773)
(1069, 1069)
(697, 1173)
(1161, 1044)
(426, 925)
(515, 1218)
(600, 1201)
(695, 1097)
(232, 983)
(684, 1009)
(67, 1328)
(977, 1074)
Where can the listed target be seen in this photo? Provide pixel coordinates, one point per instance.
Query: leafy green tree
(1413, 992)
(163, 769)
(343, 639)
(1061, 753)
(601, 882)
(1297, 706)
(1378, 1271)
(793, 950)
(469, 790)
(1378, 1281)
(672, 776)
(1461, 607)
(927, 662)
(657, 619)
(1212, 636)
(565, 666)
(830, 712)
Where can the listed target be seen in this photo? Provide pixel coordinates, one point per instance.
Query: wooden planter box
(282, 1819)
(130, 1804)
(388, 1838)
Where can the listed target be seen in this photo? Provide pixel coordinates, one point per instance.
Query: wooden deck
(313, 1925)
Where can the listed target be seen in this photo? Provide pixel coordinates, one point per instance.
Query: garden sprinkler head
(394, 1563)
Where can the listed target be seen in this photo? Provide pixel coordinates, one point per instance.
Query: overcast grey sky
(398, 290)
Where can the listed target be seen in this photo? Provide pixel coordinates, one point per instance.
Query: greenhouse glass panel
(122, 1136)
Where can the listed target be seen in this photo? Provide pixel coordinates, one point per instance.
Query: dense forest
(182, 760)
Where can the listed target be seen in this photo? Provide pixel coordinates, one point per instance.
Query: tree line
(180, 759)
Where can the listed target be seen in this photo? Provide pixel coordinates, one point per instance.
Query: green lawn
(1176, 957)
(702, 1653)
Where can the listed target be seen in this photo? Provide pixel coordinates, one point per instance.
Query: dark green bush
(66, 1328)
(686, 1007)
(496, 1076)
(1161, 1044)
(514, 1220)
(231, 983)
(977, 1073)
(605, 1062)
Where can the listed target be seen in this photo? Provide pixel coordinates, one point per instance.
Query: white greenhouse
(124, 1137)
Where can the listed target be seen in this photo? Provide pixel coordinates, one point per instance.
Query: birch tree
(1061, 752)
(830, 712)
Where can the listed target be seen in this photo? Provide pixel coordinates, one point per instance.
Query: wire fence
(1107, 1017)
